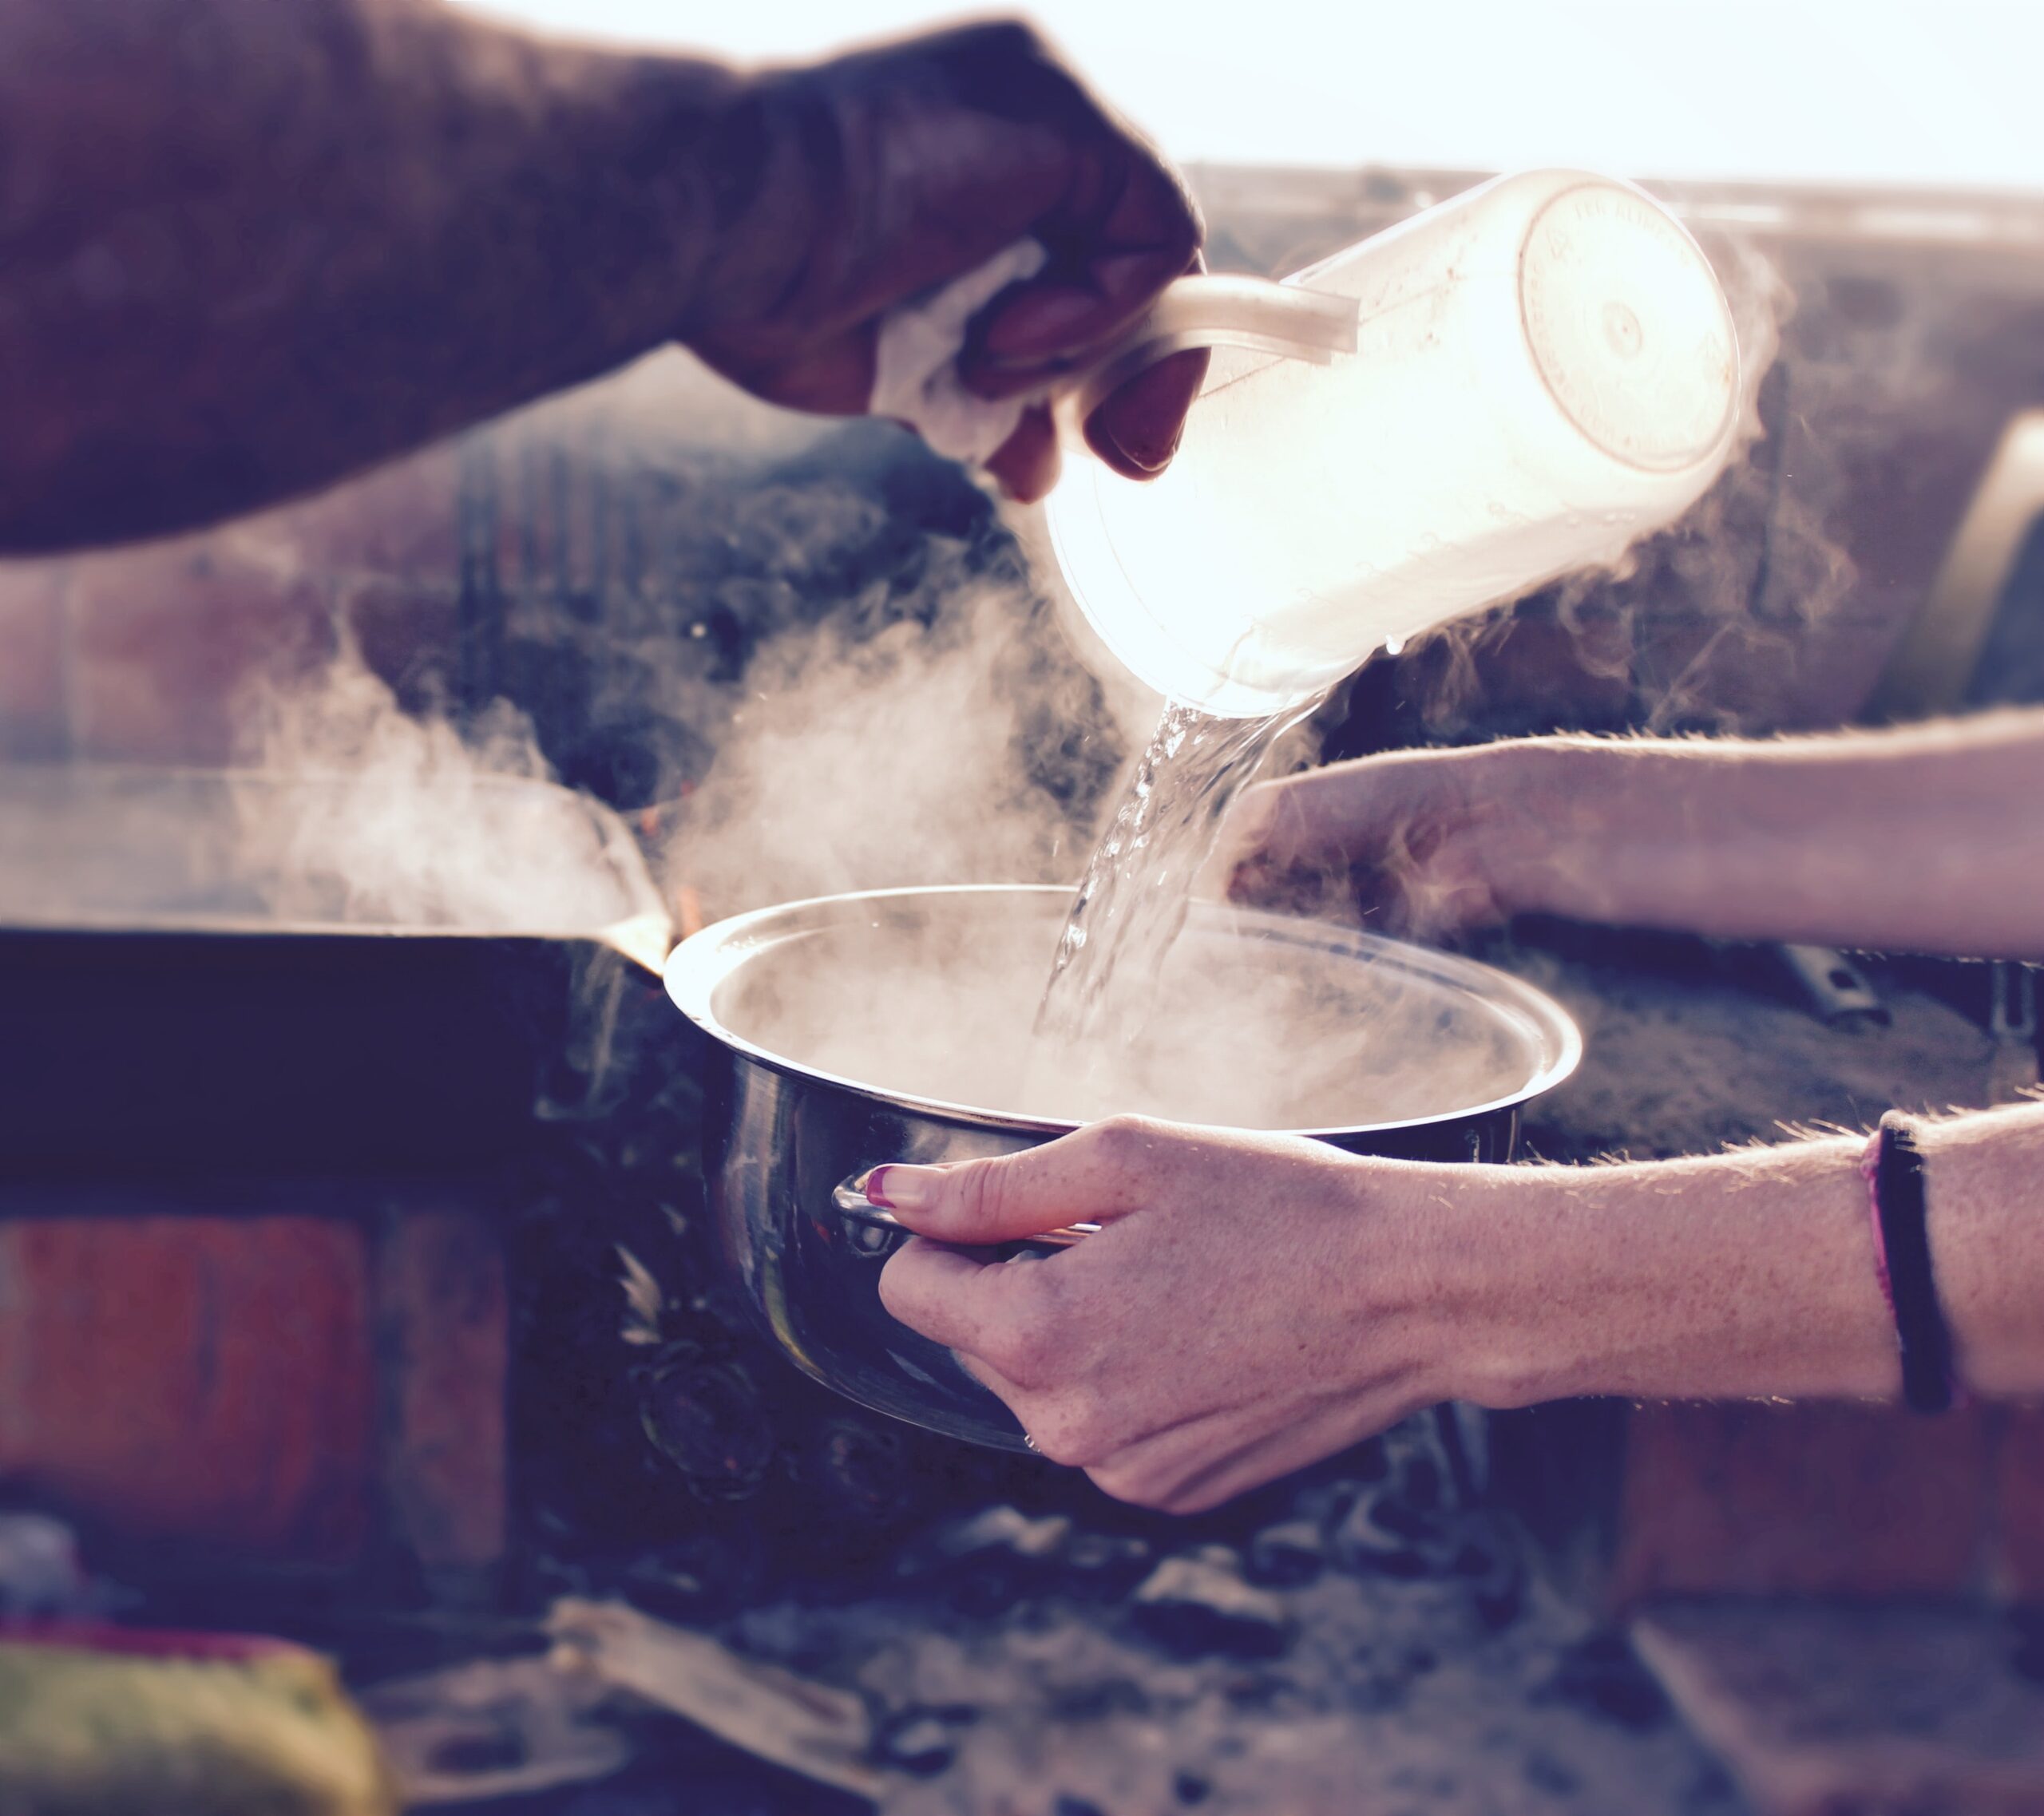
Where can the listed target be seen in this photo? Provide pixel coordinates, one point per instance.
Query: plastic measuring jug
(1543, 369)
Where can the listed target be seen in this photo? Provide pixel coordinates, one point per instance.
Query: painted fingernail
(1149, 459)
(901, 1188)
(1152, 460)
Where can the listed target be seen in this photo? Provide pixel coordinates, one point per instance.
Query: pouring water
(1543, 371)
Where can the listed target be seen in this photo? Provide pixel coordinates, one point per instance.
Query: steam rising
(1257, 1024)
(360, 813)
(1701, 627)
(961, 747)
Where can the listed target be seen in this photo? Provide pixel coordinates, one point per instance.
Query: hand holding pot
(1252, 1303)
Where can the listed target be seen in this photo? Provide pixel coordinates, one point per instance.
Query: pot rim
(706, 958)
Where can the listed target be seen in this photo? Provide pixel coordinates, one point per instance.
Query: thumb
(1083, 1178)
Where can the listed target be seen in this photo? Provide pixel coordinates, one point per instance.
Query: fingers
(1007, 1321)
(1268, 855)
(959, 142)
(1094, 1175)
(1248, 830)
(1341, 811)
(1104, 271)
(1366, 812)
(1037, 332)
(1026, 463)
(1017, 1340)
(948, 1297)
(1136, 430)
(1412, 840)
(885, 174)
(1122, 229)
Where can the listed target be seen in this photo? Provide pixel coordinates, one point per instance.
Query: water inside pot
(1260, 1023)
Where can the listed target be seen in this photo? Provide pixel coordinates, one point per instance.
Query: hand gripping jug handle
(1256, 315)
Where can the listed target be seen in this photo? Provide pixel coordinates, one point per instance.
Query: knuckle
(1130, 1484)
(1008, 1345)
(1010, 33)
(1068, 1431)
(991, 50)
(1022, 1351)
(1120, 1141)
(1054, 1447)
(1025, 42)
(1083, 1436)
(1178, 1501)
(988, 1189)
(1038, 1297)
(1030, 1346)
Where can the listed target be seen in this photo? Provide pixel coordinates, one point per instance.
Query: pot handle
(870, 1225)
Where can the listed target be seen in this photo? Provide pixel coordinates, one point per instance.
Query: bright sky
(1906, 91)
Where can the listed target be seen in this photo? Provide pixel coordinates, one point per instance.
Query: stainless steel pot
(794, 1131)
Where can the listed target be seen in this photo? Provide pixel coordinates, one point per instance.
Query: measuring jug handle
(1206, 310)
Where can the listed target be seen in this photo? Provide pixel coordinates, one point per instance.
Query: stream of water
(1133, 899)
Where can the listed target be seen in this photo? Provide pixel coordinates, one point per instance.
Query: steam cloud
(958, 744)
(1699, 627)
(360, 813)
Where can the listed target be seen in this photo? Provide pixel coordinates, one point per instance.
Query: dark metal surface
(180, 991)
(138, 1054)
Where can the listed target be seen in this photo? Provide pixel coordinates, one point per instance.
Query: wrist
(1495, 1257)
(599, 167)
(1543, 812)
(1986, 1244)
(1645, 832)
(1436, 1270)
(767, 179)
(603, 164)
(673, 129)
(1706, 836)
(1739, 1276)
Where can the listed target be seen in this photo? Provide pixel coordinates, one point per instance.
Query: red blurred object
(268, 1385)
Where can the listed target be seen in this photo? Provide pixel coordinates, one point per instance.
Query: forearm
(1929, 840)
(1744, 1275)
(248, 247)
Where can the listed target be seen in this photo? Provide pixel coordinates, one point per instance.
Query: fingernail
(1152, 461)
(901, 1188)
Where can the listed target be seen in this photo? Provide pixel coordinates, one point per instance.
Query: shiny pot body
(787, 1142)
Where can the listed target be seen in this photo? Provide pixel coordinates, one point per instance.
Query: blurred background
(1798, 90)
(394, 1320)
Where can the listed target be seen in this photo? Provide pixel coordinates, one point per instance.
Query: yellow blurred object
(98, 1721)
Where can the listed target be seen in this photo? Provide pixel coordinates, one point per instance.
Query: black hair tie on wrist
(1893, 1168)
